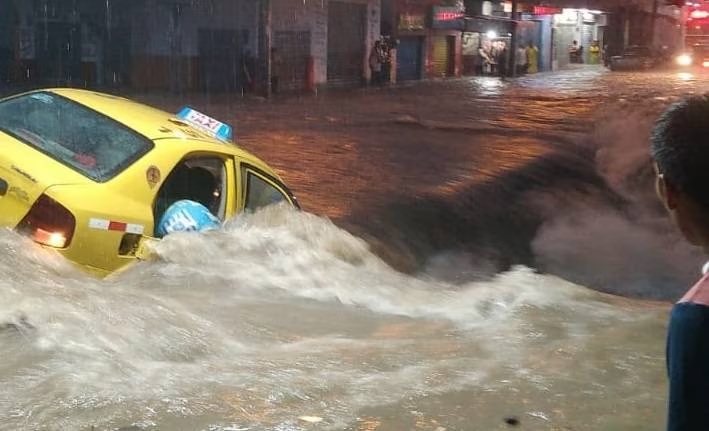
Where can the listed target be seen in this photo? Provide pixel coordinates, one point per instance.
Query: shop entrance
(346, 42)
(408, 58)
(443, 55)
(290, 68)
(223, 67)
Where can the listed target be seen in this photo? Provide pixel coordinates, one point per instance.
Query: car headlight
(684, 60)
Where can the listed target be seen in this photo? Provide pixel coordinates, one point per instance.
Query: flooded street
(473, 254)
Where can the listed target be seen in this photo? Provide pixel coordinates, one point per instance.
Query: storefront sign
(546, 10)
(447, 17)
(411, 22)
(567, 16)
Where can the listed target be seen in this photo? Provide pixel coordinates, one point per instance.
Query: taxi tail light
(49, 223)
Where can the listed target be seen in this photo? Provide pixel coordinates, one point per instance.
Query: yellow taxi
(89, 174)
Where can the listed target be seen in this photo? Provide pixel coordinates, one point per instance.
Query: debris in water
(512, 420)
(21, 326)
(539, 415)
(311, 419)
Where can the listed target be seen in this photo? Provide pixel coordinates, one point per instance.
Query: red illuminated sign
(446, 17)
(546, 10)
(698, 14)
(449, 16)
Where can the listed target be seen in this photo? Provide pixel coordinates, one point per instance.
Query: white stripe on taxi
(103, 224)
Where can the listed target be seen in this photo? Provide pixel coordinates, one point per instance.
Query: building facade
(319, 42)
(187, 45)
(428, 35)
(241, 46)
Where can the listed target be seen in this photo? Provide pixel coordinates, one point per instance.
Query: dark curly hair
(680, 147)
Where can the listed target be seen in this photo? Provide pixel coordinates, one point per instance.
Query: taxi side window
(202, 180)
(261, 193)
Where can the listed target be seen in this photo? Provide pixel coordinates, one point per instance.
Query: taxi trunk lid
(25, 175)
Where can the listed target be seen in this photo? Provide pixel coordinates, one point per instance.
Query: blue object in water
(185, 216)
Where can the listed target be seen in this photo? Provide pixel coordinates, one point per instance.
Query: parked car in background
(636, 57)
(694, 59)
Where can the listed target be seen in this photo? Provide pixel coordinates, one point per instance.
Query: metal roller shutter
(346, 42)
(408, 58)
(586, 39)
(293, 48)
(440, 57)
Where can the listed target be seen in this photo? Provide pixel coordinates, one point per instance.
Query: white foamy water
(285, 322)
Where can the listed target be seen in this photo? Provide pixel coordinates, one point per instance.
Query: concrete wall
(165, 40)
(545, 50)
(156, 27)
(312, 16)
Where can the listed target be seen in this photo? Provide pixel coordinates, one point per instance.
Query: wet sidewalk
(173, 100)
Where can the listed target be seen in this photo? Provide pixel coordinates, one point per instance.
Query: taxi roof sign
(206, 123)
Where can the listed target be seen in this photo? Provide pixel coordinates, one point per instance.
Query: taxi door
(260, 189)
(228, 196)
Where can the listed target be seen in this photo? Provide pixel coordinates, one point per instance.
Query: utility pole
(653, 22)
(265, 47)
(512, 60)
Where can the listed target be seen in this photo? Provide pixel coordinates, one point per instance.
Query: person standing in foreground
(680, 151)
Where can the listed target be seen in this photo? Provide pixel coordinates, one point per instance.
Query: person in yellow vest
(594, 53)
(532, 58)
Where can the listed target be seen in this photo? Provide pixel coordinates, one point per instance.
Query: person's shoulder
(699, 293)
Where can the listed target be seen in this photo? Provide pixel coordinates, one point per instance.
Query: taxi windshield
(81, 138)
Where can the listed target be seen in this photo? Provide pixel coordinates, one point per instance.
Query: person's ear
(669, 195)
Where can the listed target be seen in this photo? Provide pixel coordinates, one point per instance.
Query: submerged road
(548, 170)
(443, 276)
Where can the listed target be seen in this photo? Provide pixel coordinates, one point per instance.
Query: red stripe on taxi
(117, 226)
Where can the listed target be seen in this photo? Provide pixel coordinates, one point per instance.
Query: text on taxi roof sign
(204, 122)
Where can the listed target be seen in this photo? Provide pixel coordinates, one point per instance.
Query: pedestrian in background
(680, 151)
(532, 58)
(375, 63)
(486, 58)
(501, 58)
(594, 53)
(276, 70)
(521, 60)
(574, 52)
(387, 44)
(248, 72)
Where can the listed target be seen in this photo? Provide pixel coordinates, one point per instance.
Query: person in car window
(680, 151)
(187, 200)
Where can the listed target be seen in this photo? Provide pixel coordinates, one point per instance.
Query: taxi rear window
(81, 138)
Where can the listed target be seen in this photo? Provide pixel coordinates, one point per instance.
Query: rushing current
(473, 254)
